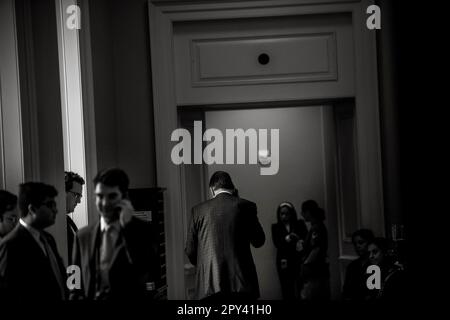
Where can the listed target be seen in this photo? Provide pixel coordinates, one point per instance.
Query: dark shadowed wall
(122, 88)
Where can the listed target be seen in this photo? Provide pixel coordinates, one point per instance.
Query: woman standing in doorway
(315, 272)
(287, 234)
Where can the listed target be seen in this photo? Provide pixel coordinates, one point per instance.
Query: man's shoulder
(246, 202)
(16, 240)
(203, 205)
(242, 203)
(203, 208)
(7, 241)
(246, 205)
(15, 236)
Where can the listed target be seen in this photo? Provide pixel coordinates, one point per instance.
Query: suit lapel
(72, 224)
(94, 239)
(93, 246)
(28, 238)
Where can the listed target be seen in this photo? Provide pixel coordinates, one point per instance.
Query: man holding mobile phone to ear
(116, 256)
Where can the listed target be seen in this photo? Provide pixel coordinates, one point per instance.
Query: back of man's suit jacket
(218, 243)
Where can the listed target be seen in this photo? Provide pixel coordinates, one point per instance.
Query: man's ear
(31, 208)
(212, 191)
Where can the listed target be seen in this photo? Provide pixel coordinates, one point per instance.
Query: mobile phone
(118, 210)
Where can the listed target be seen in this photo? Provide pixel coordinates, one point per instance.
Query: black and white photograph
(233, 155)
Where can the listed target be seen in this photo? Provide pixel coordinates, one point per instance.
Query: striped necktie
(107, 247)
(106, 253)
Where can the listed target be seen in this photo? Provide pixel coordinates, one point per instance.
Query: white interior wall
(301, 174)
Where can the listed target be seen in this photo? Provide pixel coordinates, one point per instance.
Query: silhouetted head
(74, 190)
(361, 239)
(286, 213)
(221, 180)
(37, 204)
(8, 212)
(312, 212)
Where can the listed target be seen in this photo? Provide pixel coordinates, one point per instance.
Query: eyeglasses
(76, 194)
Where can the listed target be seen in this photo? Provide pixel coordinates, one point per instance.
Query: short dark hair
(113, 177)
(221, 180)
(366, 234)
(314, 210)
(71, 177)
(8, 201)
(34, 193)
(318, 214)
(309, 205)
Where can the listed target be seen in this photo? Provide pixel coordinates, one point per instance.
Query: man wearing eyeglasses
(74, 190)
(8, 212)
(30, 266)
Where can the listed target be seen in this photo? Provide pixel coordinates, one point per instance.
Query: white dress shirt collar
(35, 233)
(104, 225)
(216, 193)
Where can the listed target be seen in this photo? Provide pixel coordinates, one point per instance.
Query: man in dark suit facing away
(116, 255)
(30, 265)
(218, 243)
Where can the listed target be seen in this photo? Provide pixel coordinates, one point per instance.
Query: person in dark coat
(30, 266)
(74, 192)
(315, 271)
(287, 235)
(8, 213)
(355, 287)
(116, 255)
(394, 280)
(218, 243)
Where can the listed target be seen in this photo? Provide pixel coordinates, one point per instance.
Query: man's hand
(126, 212)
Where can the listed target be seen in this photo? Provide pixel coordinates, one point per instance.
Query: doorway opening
(317, 160)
